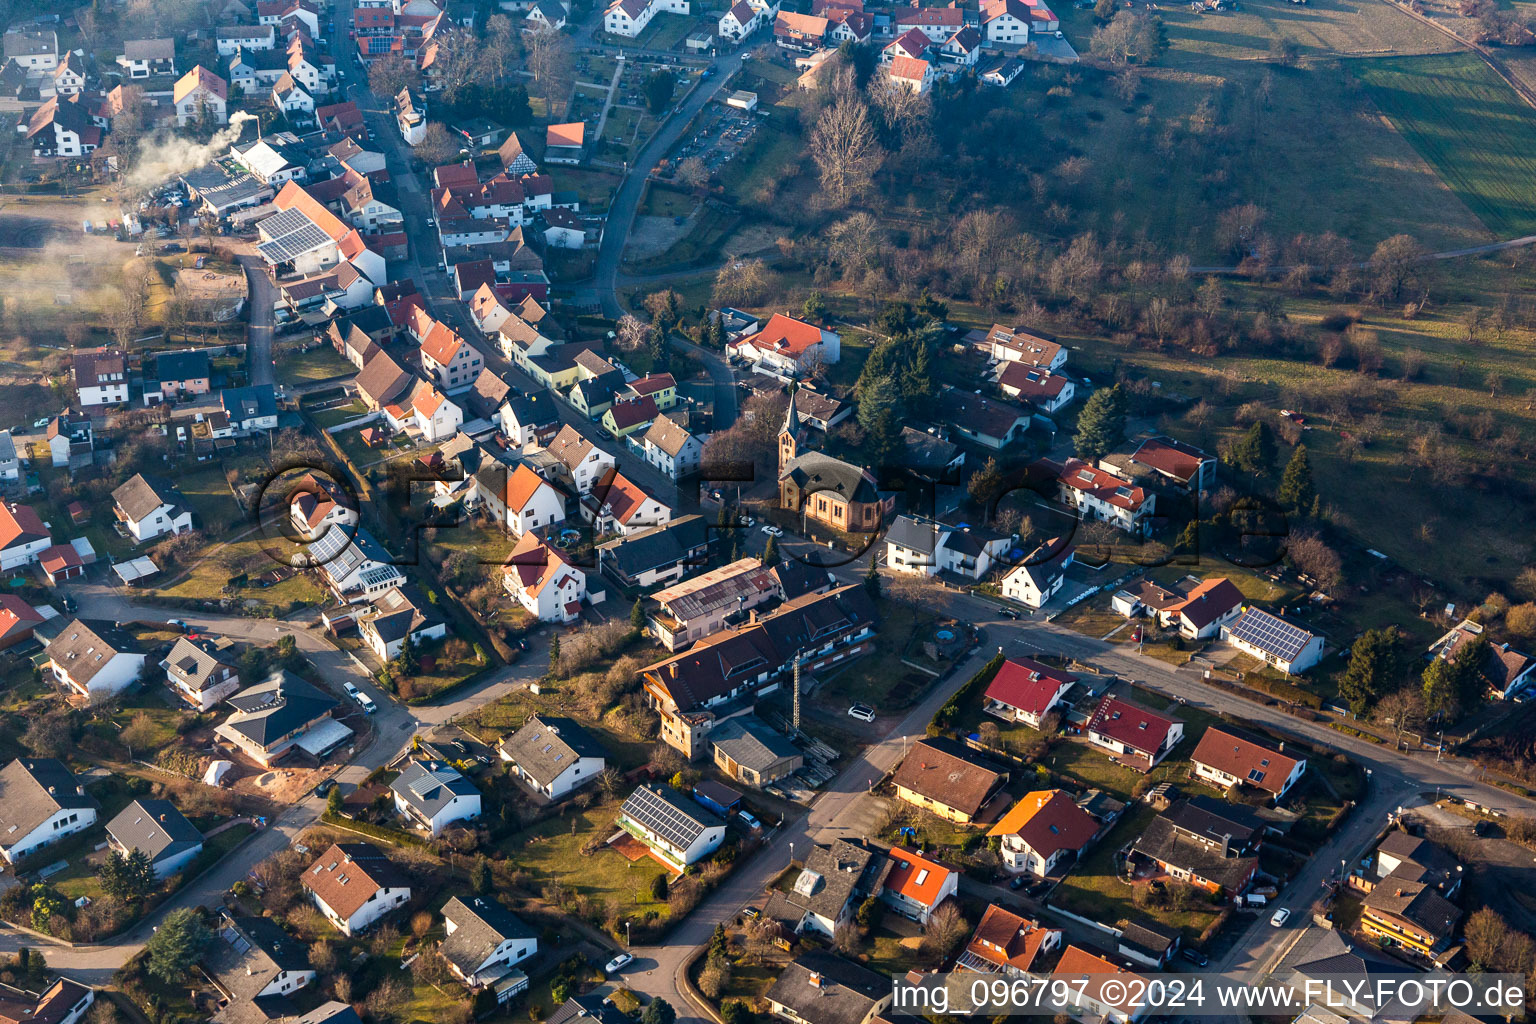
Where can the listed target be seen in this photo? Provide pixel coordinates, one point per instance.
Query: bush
(944, 718)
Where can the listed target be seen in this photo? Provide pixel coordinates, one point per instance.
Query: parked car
(352, 691)
(863, 712)
(748, 820)
(369, 707)
(1039, 889)
(1280, 917)
(1017, 882)
(1194, 956)
(618, 963)
(325, 787)
(771, 530)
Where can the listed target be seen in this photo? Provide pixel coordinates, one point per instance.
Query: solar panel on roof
(662, 817)
(1271, 633)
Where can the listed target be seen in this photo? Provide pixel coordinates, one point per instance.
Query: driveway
(258, 352)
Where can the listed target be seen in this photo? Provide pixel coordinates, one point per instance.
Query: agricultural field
(1470, 126)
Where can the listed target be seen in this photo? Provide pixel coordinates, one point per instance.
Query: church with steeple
(826, 489)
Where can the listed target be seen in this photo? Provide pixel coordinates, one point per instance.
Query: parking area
(719, 134)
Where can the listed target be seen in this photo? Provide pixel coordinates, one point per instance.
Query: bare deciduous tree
(549, 61)
(845, 149)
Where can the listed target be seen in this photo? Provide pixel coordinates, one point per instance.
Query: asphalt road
(258, 352)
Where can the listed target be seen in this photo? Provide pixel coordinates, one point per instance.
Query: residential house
(278, 714)
(739, 22)
(41, 802)
(200, 672)
(69, 76)
(251, 408)
(982, 420)
(101, 377)
(820, 630)
(542, 579)
(658, 555)
(483, 943)
(961, 50)
(381, 382)
(584, 463)
(62, 127)
(233, 40)
(10, 465)
(750, 752)
(1020, 344)
(18, 620)
(629, 18)
(926, 547)
(1226, 758)
(1049, 392)
(823, 988)
(1197, 608)
(63, 1002)
(799, 33)
(158, 829)
(676, 830)
(529, 420)
(34, 49)
(553, 756)
(200, 96)
(937, 23)
(531, 502)
(562, 228)
(1008, 944)
(399, 616)
(616, 504)
(912, 73)
(354, 885)
(93, 659)
(447, 358)
(1038, 578)
(425, 410)
(1134, 736)
(1207, 843)
(628, 416)
(1274, 641)
(1505, 671)
(150, 507)
(515, 160)
(916, 886)
(70, 436)
(433, 795)
(410, 115)
(1099, 999)
(709, 601)
(943, 777)
(786, 347)
(1163, 458)
(1413, 915)
(257, 967)
(354, 565)
(1042, 830)
(23, 535)
(316, 504)
(177, 375)
(670, 448)
(824, 897)
(1025, 690)
(1096, 494)
(566, 143)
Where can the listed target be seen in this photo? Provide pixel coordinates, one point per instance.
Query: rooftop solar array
(1271, 633)
(291, 234)
(655, 812)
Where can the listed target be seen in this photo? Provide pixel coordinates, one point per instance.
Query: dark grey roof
(925, 454)
(914, 534)
(842, 991)
(1213, 819)
(142, 494)
(431, 786)
(1166, 844)
(248, 956)
(817, 472)
(833, 875)
(665, 811)
(479, 927)
(796, 578)
(400, 612)
(752, 744)
(585, 1009)
(249, 402)
(194, 661)
(547, 745)
(278, 705)
(156, 827)
(32, 790)
(535, 409)
(1146, 939)
(658, 546)
(179, 366)
(332, 1012)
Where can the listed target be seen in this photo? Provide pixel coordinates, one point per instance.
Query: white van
(1253, 899)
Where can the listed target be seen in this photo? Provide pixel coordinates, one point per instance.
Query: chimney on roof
(815, 979)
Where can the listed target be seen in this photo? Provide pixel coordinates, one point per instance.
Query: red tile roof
(1048, 821)
(1208, 601)
(1130, 724)
(1028, 685)
(917, 878)
(1101, 484)
(911, 69)
(19, 524)
(784, 334)
(1008, 940)
(1254, 763)
(1171, 458)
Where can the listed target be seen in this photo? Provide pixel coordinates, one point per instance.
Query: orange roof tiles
(1048, 820)
(917, 878)
(199, 76)
(911, 69)
(19, 524)
(572, 134)
(535, 563)
(784, 334)
(293, 197)
(522, 484)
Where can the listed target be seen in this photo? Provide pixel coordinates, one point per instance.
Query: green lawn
(318, 363)
(492, 721)
(1471, 128)
(882, 679)
(326, 418)
(551, 852)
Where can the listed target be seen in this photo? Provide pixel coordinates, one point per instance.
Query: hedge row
(944, 718)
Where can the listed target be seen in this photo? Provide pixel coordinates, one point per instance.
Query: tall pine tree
(1101, 424)
(1373, 667)
(1297, 492)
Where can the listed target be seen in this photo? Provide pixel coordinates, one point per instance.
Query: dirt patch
(750, 240)
(221, 294)
(280, 785)
(652, 236)
(21, 232)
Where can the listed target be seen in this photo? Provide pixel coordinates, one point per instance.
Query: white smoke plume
(168, 155)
